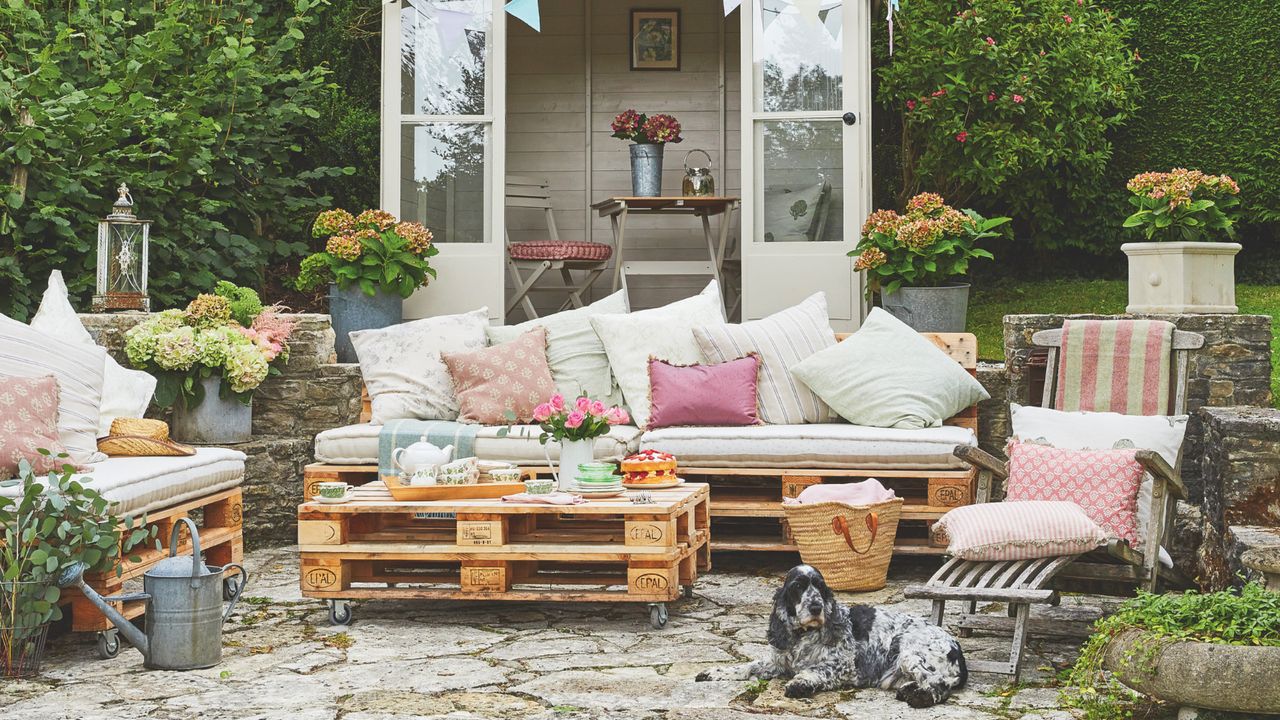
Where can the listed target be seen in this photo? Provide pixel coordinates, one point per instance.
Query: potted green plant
(913, 259)
(209, 358)
(1215, 651)
(648, 135)
(1183, 266)
(371, 262)
(51, 524)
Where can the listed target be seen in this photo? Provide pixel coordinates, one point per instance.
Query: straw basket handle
(840, 526)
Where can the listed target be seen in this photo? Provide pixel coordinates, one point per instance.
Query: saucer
(335, 501)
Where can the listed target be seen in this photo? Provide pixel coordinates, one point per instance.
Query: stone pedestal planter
(214, 421)
(1182, 277)
(930, 309)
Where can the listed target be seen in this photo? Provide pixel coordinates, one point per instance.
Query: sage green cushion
(574, 351)
(887, 375)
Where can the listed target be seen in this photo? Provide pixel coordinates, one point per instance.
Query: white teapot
(420, 455)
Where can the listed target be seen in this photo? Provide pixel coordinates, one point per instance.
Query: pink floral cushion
(1104, 483)
(560, 250)
(28, 423)
(509, 378)
(719, 394)
(1018, 530)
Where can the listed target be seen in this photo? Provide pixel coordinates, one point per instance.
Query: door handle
(849, 118)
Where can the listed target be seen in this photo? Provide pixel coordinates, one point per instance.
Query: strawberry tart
(649, 467)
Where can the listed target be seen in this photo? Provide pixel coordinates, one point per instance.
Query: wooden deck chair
(550, 253)
(1113, 569)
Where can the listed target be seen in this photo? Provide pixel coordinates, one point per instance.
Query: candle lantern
(122, 258)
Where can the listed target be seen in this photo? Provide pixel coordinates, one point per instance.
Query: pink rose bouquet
(581, 419)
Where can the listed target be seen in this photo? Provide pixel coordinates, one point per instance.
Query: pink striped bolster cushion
(560, 250)
(1018, 530)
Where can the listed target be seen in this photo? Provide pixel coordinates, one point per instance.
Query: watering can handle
(705, 154)
(546, 451)
(195, 547)
(244, 578)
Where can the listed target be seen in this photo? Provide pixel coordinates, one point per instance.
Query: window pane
(442, 179)
(443, 57)
(802, 180)
(798, 63)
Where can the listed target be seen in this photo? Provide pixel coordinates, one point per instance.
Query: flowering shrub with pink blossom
(1181, 204)
(928, 245)
(373, 251)
(581, 419)
(645, 129)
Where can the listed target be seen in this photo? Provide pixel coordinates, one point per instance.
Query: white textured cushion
(125, 392)
(358, 444)
(578, 362)
(815, 445)
(146, 484)
(887, 375)
(1018, 530)
(402, 368)
(782, 340)
(665, 333)
(27, 352)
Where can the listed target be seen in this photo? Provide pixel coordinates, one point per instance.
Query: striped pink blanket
(1118, 366)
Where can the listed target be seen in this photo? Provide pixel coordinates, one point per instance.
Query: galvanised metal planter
(646, 170)
(351, 310)
(214, 421)
(930, 309)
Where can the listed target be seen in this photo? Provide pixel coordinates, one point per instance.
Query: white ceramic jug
(420, 455)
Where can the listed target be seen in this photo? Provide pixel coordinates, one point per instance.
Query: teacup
(467, 468)
(423, 476)
(506, 475)
(332, 490)
(538, 486)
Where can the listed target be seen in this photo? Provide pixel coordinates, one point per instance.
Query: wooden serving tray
(407, 493)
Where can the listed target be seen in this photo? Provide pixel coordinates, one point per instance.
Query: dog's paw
(718, 673)
(800, 688)
(916, 696)
(703, 676)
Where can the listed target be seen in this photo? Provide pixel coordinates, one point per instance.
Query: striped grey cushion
(782, 340)
(26, 352)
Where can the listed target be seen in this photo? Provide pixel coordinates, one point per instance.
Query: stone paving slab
(497, 661)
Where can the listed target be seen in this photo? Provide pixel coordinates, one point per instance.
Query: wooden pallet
(221, 540)
(607, 550)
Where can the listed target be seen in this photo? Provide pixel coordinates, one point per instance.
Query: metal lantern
(122, 258)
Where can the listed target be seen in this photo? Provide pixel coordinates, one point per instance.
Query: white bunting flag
(730, 6)
(451, 26)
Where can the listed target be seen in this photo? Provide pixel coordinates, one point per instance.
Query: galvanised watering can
(184, 607)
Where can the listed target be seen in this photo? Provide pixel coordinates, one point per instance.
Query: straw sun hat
(136, 437)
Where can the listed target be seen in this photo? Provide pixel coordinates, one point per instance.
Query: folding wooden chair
(552, 253)
(1113, 569)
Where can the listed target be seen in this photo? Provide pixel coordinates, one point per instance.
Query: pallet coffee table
(606, 550)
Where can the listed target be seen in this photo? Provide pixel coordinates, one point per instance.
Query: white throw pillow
(577, 358)
(665, 333)
(887, 375)
(1102, 431)
(402, 368)
(782, 340)
(27, 352)
(125, 392)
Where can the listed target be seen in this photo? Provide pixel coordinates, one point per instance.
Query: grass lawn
(989, 305)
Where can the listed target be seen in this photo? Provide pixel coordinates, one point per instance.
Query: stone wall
(1240, 469)
(311, 394)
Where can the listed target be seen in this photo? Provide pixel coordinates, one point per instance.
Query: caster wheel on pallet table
(339, 612)
(658, 615)
(108, 644)
(230, 587)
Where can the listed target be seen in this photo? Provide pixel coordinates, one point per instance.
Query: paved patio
(489, 660)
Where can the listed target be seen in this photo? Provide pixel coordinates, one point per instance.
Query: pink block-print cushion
(1104, 483)
(509, 378)
(28, 423)
(1018, 530)
(719, 394)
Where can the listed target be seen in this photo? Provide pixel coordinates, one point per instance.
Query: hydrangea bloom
(176, 349)
(246, 368)
(208, 311)
(375, 220)
(417, 239)
(333, 222)
(346, 247)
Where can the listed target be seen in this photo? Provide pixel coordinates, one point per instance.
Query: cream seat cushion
(813, 446)
(145, 484)
(358, 444)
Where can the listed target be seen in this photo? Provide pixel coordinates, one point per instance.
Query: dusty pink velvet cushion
(719, 394)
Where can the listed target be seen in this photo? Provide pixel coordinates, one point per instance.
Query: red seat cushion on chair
(560, 250)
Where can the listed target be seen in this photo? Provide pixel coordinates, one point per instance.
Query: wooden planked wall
(548, 133)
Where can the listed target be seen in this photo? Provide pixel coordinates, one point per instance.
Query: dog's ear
(779, 629)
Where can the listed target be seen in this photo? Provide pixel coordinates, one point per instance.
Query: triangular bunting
(808, 10)
(833, 20)
(526, 11)
(769, 11)
(451, 26)
(730, 6)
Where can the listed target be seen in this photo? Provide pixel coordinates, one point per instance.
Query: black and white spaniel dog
(822, 645)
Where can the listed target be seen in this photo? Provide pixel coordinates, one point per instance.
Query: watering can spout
(73, 576)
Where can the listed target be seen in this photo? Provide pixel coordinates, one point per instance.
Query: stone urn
(1204, 676)
(1182, 277)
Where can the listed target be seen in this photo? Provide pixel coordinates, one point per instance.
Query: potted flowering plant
(913, 259)
(647, 134)
(1182, 267)
(575, 426)
(371, 262)
(207, 364)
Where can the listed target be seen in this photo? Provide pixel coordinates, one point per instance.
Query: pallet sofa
(750, 469)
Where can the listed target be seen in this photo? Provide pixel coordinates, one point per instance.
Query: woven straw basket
(851, 545)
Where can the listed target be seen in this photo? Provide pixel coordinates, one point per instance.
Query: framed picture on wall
(655, 39)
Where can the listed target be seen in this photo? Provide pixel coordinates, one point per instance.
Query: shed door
(806, 170)
(443, 130)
